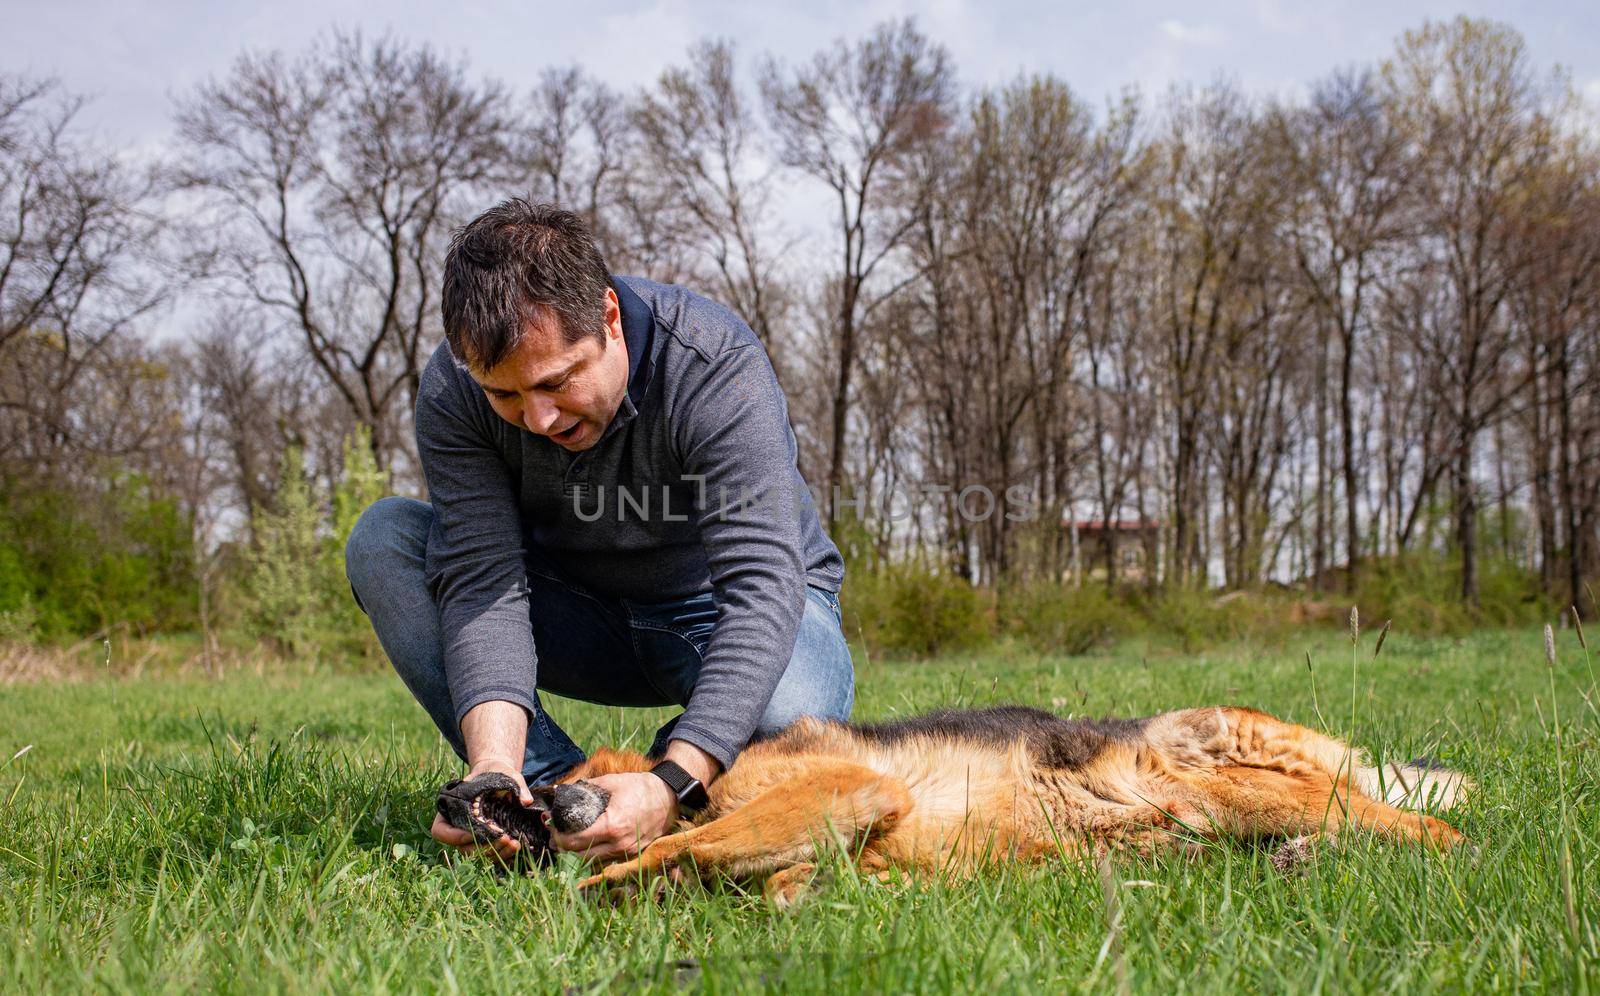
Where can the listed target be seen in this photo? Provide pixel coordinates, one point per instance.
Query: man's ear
(613, 315)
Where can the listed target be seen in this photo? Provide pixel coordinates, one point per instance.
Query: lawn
(269, 833)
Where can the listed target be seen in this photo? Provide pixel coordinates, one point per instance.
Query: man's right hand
(505, 848)
(495, 733)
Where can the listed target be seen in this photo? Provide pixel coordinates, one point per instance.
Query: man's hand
(495, 733)
(505, 848)
(642, 808)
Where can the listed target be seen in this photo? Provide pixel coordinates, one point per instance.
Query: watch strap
(691, 794)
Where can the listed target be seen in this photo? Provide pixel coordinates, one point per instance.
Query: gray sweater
(692, 488)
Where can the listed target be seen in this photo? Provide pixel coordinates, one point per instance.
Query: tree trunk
(1347, 441)
(1319, 540)
(1466, 520)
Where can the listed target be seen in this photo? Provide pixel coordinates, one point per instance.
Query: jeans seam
(638, 652)
(678, 631)
(832, 599)
(539, 717)
(574, 589)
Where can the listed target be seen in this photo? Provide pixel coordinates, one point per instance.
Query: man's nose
(539, 414)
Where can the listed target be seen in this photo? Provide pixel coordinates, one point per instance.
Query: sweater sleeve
(734, 437)
(474, 561)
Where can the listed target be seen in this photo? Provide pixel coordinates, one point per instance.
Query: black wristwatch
(691, 794)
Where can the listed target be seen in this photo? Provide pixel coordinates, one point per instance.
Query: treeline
(1311, 340)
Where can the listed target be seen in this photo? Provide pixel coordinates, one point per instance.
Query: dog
(955, 790)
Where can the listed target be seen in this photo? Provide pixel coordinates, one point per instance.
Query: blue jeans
(591, 646)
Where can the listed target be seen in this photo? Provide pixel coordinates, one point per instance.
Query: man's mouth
(569, 434)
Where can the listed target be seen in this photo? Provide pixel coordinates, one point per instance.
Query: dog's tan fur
(939, 799)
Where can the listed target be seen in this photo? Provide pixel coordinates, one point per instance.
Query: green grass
(269, 834)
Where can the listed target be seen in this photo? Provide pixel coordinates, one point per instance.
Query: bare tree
(1119, 394)
(1345, 156)
(77, 230)
(850, 119)
(1474, 113)
(1555, 306)
(331, 181)
(1204, 223)
(700, 138)
(255, 408)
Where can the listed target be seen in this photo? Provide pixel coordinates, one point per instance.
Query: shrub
(1061, 620)
(78, 561)
(296, 593)
(20, 622)
(916, 611)
(1422, 594)
(285, 593)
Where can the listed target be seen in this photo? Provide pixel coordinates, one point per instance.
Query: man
(615, 516)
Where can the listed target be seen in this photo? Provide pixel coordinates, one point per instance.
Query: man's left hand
(642, 808)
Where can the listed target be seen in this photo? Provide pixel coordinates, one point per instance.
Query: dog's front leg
(778, 828)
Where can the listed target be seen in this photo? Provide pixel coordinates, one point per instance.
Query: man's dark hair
(519, 262)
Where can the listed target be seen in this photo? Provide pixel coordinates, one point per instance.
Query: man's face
(567, 392)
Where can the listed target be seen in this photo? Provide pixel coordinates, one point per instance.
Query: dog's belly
(969, 803)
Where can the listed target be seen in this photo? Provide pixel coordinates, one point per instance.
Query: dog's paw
(619, 890)
(789, 886)
(612, 875)
(1293, 853)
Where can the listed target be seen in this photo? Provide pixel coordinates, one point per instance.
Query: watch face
(691, 794)
(693, 797)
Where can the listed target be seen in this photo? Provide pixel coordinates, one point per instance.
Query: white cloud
(1192, 34)
(1168, 57)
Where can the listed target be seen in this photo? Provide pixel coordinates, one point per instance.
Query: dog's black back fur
(1054, 742)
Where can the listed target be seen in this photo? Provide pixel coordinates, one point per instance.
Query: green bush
(1053, 619)
(295, 593)
(19, 617)
(915, 611)
(20, 622)
(1422, 594)
(75, 562)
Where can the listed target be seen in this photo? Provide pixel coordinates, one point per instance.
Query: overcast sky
(132, 57)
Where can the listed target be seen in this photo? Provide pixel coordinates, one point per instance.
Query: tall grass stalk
(1568, 899)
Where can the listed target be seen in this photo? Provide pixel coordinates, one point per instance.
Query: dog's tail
(1419, 784)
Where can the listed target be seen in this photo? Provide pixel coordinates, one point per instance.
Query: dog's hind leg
(1231, 735)
(779, 828)
(1259, 802)
(1402, 824)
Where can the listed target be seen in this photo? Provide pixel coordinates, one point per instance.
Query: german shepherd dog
(953, 790)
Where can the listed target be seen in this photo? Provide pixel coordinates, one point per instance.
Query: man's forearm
(693, 760)
(496, 733)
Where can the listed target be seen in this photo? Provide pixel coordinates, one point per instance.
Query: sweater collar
(638, 331)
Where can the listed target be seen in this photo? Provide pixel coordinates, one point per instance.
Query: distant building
(1135, 548)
